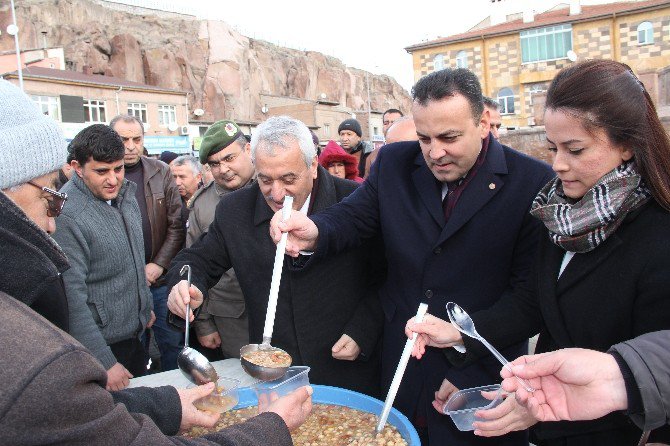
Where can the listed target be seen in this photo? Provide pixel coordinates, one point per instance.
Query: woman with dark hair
(602, 274)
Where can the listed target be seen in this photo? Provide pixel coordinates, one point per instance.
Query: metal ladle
(257, 371)
(193, 364)
(463, 323)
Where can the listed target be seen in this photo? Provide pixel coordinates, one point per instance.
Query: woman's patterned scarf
(580, 226)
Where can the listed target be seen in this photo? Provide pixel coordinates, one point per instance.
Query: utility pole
(13, 30)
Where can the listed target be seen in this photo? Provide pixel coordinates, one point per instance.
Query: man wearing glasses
(100, 231)
(223, 322)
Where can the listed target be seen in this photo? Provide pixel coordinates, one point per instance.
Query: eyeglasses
(226, 160)
(55, 203)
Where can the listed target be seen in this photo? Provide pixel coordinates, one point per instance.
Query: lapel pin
(492, 186)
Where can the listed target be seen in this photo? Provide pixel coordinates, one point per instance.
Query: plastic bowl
(268, 391)
(462, 405)
(222, 399)
(348, 398)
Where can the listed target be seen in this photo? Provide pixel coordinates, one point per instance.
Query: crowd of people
(95, 234)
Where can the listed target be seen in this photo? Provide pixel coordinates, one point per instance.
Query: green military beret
(217, 137)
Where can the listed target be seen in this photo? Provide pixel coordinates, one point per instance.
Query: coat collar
(325, 197)
(484, 186)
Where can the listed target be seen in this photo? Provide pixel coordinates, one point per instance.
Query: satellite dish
(322, 95)
(173, 126)
(12, 30)
(572, 56)
(198, 112)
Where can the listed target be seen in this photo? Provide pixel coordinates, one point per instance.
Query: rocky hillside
(223, 70)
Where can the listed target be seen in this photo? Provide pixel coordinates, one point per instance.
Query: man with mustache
(222, 322)
(329, 317)
(100, 231)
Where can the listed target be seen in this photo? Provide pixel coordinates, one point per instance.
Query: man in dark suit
(453, 212)
(328, 317)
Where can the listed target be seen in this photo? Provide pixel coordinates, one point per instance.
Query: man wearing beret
(350, 139)
(223, 321)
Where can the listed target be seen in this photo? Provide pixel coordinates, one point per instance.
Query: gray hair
(279, 131)
(126, 118)
(188, 160)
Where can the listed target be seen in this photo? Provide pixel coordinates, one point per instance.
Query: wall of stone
(532, 142)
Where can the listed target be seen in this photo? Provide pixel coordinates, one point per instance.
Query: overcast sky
(363, 34)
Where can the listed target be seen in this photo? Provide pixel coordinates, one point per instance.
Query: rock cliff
(223, 71)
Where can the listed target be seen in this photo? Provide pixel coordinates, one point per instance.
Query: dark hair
(392, 110)
(99, 142)
(128, 119)
(490, 103)
(606, 94)
(449, 82)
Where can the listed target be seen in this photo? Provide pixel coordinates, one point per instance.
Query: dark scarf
(30, 257)
(581, 225)
(456, 188)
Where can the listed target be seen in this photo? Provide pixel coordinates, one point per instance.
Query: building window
(375, 130)
(462, 59)
(506, 101)
(48, 105)
(167, 114)
(645, 33)
(326, 130)
(438, 62)
(138, 110)
(549, 43)
(94, 111)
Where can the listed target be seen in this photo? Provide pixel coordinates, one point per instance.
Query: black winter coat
(616, 292)
(316, 305)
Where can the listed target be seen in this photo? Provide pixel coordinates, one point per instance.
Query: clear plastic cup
(224, 397)
(268, 391)
(462, 405)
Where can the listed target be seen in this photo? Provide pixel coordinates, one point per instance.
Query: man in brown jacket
(162, 229)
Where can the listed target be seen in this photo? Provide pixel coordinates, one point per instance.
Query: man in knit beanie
(350, 139)
(65, 391)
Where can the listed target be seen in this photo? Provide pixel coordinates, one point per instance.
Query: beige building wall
(497, 60)
(116, 102)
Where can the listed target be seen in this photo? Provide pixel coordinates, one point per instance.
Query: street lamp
(367, 82)
(13, 30)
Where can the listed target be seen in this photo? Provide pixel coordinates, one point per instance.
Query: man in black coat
(328, 317)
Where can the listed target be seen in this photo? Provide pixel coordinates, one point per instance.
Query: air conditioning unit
(183, 130)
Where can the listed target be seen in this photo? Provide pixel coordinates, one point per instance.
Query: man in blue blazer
(453, 213)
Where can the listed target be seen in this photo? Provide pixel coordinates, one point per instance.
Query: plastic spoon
(193, 364)
(255, 370)
(463, 323)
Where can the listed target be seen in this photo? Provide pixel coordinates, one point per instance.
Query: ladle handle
(526, 385)
(187, 269)
(276, 274)
(400, 371)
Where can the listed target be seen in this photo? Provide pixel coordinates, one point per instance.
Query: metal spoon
(255, 370)
(193, 364)
(463, 323)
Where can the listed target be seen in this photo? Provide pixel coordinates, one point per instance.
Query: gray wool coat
(109, 300)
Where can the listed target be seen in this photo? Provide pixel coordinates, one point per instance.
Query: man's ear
(485, 123)
(77, 168)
